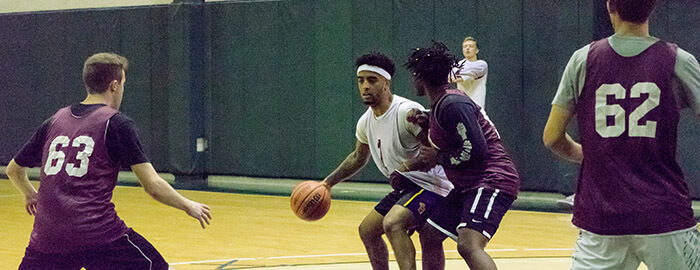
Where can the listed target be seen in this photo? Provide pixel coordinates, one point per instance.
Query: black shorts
(131, 251)
(480, 210)
(422, 203)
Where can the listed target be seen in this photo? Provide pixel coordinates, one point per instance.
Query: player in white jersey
(384, 133)
(471, 73)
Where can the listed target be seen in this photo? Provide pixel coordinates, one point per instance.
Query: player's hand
(418, 117)
(397, 181)
(199, 211)
(427, 157)
(30, 202)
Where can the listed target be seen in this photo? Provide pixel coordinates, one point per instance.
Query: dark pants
(131, 251)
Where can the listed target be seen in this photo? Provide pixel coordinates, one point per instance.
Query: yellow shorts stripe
(414, 196)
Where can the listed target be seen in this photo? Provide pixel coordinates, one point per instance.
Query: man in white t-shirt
(471, 74)
(384, 133)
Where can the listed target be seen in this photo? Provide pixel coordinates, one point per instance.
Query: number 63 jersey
(628, 111)
(74, 210)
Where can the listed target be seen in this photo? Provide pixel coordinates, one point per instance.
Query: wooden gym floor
(256, 231)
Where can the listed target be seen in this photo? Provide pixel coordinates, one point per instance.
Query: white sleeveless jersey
(392, 141)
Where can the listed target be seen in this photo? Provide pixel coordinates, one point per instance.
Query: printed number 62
(603, 110)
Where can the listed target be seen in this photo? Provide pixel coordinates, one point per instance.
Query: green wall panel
(274, 85)
(335, 86)
(549, 39)
(500, 35)
(42, 66)
(227, 141)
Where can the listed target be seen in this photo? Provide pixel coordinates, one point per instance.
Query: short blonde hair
(101, 69)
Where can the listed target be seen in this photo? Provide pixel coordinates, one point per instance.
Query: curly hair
(376, 59)
(431, 65)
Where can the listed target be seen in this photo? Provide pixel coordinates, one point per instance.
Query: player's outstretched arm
(18, 177)
(474, 71)
(350, 166)
(556, 139)
(161, 190)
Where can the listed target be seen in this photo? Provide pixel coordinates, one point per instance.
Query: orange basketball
(310, 200)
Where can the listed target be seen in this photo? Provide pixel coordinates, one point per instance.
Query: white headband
(374, 69)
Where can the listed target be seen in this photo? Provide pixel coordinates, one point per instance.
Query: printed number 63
(60, 157)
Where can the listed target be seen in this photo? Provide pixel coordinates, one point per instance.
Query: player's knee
(467, 249)
(392, 226)
(369, 231)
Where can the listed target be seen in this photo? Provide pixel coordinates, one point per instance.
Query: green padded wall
(272, 83)
(552, 33)
(41, 69)
(187, 89)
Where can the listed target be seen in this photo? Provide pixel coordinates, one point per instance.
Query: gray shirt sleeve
(687, 81)
(572, 80)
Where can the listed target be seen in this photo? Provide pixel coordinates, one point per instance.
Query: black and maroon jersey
(469, 147)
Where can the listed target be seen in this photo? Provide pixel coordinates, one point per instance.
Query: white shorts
(677, 250)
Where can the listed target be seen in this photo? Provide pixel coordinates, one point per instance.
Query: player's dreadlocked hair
(376, 59)
(431, 65)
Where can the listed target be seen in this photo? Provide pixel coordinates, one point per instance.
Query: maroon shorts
(480, 210)
(131, 251)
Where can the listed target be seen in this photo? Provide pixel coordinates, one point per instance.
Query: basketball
(310, 200)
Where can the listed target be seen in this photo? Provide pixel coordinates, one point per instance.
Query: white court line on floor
(548, 249)
(317, 256)
(9, 195)
(213, 261)
(351, 254)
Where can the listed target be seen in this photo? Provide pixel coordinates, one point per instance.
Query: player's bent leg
(396, 225)
(442, 223)
(371, 230)
(432, 250)
(470, 245)
(677, 250)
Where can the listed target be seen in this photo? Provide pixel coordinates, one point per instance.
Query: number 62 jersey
(627, 93)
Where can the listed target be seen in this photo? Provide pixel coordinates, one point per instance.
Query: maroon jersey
(74, 210)
(627, 114)
(469, 147)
